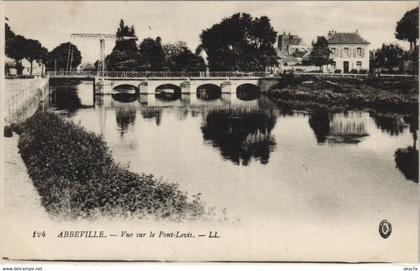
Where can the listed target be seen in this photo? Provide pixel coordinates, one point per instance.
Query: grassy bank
(337, 94)
(76, 176)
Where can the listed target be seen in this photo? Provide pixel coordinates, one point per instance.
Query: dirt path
(21, 200)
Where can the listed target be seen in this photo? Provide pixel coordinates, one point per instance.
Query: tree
(18, 48)
(320, 54)
(171, 51)
(33, 51)
(8, 32)
(124, 55)
(152, 55)
(15, 48)
(240, 42)
(408, 27)
(388, 56)
(187, 61)
(58, 58)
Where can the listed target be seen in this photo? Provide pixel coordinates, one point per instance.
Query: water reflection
(125, 97)
(240, 134)
(240, 128)
(154, 113)
(392, 124)
(66, 98)
(348, 127)
(71, 97)
(125, 114)
(320, 123)
(407, 161)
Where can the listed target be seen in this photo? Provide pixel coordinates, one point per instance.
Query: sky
(52, 22)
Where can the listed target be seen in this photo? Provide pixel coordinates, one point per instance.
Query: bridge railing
(158, 74)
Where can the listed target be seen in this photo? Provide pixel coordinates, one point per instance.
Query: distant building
(349, 51)
(291, 50)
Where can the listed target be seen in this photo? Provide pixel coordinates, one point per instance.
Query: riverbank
(21, 200)
(75, 175)
(340, 94)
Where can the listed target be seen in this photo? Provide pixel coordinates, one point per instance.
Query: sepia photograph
(210, 131)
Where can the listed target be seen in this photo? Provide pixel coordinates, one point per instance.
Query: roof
(346, 38)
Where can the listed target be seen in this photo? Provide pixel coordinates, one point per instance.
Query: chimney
(330, 33)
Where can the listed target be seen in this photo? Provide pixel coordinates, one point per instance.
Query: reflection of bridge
(186, 100)
(185, 82)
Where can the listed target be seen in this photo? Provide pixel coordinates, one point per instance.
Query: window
(333, 64)
(333, 50)
(359, 64)
(359, 51)
(346, 51)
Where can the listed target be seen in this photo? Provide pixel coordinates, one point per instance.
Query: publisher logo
(385, 229)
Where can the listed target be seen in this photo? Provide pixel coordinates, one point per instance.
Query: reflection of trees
(407, 159)
(390, 123)
(320, 123)
(241, 134)
(152, 113)
(125, 115)
(66, 98)
(413, 121)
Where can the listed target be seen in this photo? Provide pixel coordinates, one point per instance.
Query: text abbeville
(81, 234)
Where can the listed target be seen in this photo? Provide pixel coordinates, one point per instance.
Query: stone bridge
(185, 86)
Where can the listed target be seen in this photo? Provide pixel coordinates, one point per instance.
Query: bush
(354, 71)
(337, 71)
(363, 71)
(76, 176)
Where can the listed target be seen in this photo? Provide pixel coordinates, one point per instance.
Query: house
(350, 52)
(10, 67)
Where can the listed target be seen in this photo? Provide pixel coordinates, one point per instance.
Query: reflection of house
(346, 128)
(348, 124)
(291, 50)
(349, 51)
(10, 67)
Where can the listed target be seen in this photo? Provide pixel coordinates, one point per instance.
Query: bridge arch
(209, 91)
(168, 92)
(248, 91)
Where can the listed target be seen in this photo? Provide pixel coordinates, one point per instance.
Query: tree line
(237, 43)
(19, 47)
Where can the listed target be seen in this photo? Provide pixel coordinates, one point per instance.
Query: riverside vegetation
(338, 94)
(76, 176)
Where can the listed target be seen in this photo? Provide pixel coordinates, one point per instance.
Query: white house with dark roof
(349, 51)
